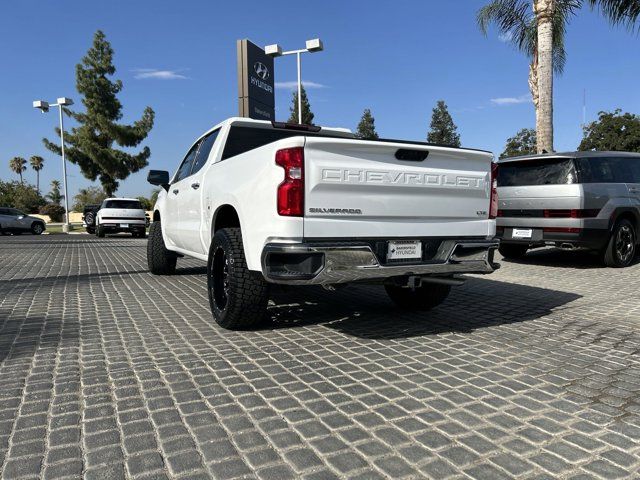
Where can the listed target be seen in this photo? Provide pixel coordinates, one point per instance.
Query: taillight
(571, 213)
(493, 205)
(291, 190)
(561, 230)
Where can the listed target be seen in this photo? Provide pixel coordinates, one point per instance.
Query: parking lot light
(274, 50)
(314, 45)
(44, 108)
(311, 46)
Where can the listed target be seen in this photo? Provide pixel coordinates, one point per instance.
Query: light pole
(312, 46)
(44, 107)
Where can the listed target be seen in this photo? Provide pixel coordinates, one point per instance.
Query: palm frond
(565, 11)
(512, 18)
(619, 12)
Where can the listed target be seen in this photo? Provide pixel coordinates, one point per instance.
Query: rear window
(126, 204)
(243, 139)
(560, 171)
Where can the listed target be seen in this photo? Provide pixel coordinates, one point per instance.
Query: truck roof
(250, 122)
(318, 130)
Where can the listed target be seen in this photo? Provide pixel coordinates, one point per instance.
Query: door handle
(195, 186)
(176, 191)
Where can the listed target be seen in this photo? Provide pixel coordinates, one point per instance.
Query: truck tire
(423, 298)
(237, 295)
(160, 260)
(37, 228)
(512, 250)
(621, 249)
(100, 231)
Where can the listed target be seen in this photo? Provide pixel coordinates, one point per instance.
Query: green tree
(154, 197)
(443, 130)
(145, 202)
(55, 212)
(613, 131)
(37, 163)
(537, 28)
(8, 193)
(88, 196)
(22, 196)
(55, 196)
(17, 166)
(522, 143)
(307, 114)
(91, 144)
(367, 128)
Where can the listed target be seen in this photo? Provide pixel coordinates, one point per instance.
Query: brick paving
(109, 372)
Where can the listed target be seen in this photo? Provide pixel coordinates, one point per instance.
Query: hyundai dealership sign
(256, 97)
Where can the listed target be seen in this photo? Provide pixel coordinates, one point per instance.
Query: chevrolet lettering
(268, 203)
(400, 178)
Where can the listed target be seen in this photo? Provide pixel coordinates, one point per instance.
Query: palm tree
(37, 163)
(54, 195)
(537, 28)
(18, 165)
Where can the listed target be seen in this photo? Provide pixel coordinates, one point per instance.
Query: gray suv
(16, 222)
(576, 200)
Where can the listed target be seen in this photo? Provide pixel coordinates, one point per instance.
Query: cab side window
(604, 170)
(634, 165)
(185, 167)
(621, 170)
(206, 144)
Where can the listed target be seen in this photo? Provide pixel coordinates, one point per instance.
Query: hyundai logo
(261, 70)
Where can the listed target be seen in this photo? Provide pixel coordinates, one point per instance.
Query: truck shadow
(366, 311)
(554, 257)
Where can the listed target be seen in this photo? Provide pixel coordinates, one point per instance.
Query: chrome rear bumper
(327, 264)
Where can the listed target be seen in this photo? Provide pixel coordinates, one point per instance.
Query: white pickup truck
(265, 202)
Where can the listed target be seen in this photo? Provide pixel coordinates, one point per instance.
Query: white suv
(121, 215)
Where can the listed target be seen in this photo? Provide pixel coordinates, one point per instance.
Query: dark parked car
(16, 222)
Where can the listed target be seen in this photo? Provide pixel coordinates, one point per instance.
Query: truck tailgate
(356, 188)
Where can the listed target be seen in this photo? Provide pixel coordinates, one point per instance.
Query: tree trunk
(38, 181)
(533, 85)
(544, 10)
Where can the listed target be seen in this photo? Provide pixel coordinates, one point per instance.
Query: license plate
(124, 225)
(522, 233)
(404, 250)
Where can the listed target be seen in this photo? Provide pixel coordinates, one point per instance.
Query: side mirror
(159, 177)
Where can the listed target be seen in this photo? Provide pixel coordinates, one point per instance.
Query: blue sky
(396, 58)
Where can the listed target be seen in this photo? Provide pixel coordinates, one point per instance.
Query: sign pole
(299, 90)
